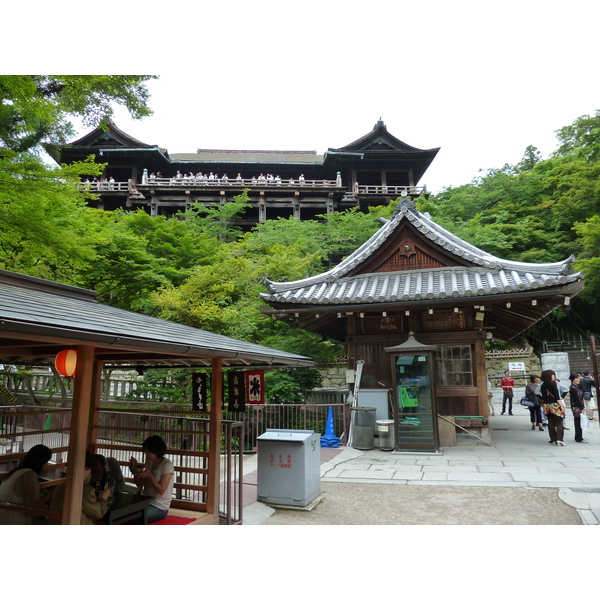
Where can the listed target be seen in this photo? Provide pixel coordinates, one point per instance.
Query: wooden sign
(392, 324)
(255, 387)
(444, 320)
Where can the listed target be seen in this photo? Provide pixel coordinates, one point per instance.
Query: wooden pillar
(262, 207)
(214, 437)
(481, 375)
(95, 407)
(82, 394)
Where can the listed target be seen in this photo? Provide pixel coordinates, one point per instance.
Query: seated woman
(157, 478)
(22, 486)
(106, 472)
(93, 507)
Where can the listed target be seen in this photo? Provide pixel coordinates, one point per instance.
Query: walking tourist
(587, 385)
(577, 405)
(554, 407)
(535, 410)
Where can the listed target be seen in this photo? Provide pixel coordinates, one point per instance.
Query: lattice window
(408, 258)
(454, 365)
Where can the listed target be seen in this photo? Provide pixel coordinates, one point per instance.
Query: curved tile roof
(484, 274)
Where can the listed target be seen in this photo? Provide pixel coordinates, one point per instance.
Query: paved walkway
(522, 479)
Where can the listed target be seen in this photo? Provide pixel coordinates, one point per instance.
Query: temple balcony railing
(391, 190)
(105, 186)
(254, 184)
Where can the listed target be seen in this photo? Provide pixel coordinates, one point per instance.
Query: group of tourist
(213, 178)
(547, 395)
(103, 482)
(102, 184)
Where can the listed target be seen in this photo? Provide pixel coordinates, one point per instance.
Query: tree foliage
(35, 109)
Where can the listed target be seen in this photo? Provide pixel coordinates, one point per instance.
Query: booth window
(454, 365)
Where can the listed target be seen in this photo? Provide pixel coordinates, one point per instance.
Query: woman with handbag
(535, 410)
(577, 405)
(554, 407)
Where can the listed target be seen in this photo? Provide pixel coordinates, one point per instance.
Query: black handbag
(526, 402)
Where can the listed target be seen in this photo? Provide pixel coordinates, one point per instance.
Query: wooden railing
(120, 435)
(126, 186)
(104, 186)
(392, 190)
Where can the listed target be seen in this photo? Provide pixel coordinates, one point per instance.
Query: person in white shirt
(157, 478)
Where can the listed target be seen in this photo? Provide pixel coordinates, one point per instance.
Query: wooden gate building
(413, 276)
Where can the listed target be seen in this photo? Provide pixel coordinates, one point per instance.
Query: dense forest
(193, 269)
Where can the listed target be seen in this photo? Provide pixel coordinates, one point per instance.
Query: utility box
(288, 466)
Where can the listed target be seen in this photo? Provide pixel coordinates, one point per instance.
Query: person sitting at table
(21, 486)
(107, 471)
(157, 478)
(92, 507)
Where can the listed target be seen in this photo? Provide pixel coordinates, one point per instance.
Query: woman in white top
(22, 486)
(157, 478)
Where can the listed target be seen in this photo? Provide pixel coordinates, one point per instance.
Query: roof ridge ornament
(407, 204)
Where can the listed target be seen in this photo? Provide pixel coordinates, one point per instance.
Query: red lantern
(66, 362)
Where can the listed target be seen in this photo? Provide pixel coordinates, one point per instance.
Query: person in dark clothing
(535, 411)
(554, 407)
(587, 387)
(577, 405)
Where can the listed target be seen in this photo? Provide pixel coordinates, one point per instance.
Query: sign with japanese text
(255, 387)
(236, 391)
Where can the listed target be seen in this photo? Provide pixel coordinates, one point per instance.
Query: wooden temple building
(40, 318)
(415, 290)
(370, 171)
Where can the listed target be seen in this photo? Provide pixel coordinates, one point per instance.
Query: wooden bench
(179, 513)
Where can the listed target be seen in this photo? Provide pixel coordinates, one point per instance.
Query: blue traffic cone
(330, 440)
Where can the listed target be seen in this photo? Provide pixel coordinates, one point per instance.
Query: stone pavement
(521, 479)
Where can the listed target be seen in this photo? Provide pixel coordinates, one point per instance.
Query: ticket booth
(414, 409)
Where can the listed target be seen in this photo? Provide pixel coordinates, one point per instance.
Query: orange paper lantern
(66, 362)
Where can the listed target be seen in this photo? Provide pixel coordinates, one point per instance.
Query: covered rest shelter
(39, 318)
(415, 277)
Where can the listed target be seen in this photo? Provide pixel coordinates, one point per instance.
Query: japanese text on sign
(280, 461)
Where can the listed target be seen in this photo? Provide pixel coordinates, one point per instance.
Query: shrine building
(370, 171)
(414, 306)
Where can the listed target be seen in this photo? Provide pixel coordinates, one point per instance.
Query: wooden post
(82, 394)
(214, 438)
(96, 396)
(481, 377)
(594, 365)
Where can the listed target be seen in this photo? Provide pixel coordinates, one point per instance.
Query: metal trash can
(288, 466)
(385, 429)
(363, 427)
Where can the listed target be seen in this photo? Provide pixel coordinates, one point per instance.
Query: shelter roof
(39, 317)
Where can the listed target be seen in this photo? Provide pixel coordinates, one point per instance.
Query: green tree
(35, 109)
(46, 229)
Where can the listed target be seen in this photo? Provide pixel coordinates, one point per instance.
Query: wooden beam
(214, 444)
(82, 394)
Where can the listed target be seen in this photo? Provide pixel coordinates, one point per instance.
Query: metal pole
(594, 365)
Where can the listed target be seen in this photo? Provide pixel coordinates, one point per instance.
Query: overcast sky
(481, 80)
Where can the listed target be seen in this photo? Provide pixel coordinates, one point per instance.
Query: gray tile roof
(37, 307)
(483, 273)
